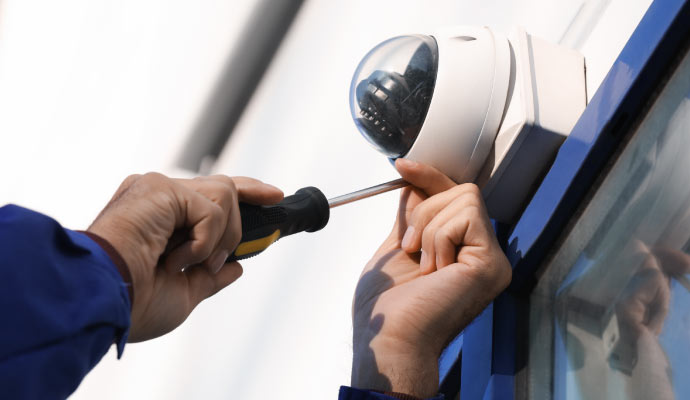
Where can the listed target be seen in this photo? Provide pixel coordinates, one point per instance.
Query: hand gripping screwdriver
(306, 210)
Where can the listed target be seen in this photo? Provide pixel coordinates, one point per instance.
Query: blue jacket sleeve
(348, 393)
(63, 304)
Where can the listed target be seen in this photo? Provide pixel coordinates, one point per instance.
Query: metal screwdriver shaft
(368, 192)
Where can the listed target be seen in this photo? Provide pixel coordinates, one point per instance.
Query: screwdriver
(307, 210)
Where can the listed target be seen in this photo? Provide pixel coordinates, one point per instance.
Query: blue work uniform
(64, 302)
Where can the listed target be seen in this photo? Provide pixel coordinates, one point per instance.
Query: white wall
(91, 91)
(118, 85)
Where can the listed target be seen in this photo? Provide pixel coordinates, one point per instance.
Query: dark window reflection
(622, 325)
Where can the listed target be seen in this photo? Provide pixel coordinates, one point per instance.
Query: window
(598, 303)
(610, 317)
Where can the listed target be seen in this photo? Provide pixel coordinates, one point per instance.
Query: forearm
(418, 378)
(381, 365)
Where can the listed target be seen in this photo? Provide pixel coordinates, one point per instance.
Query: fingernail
(423, 260)
(218, 263)
(407, 237)
(406, 162)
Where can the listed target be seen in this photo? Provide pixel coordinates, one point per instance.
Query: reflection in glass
(621, 306)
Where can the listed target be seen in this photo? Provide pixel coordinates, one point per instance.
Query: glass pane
(611, 314)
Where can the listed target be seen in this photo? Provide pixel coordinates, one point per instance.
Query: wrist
(125, 243)
(117, 260)
(386, 365)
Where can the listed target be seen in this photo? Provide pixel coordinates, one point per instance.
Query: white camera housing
(497, 111)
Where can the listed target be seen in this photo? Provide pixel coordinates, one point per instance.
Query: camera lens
(391, 91)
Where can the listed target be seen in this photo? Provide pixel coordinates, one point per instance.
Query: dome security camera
(477, 105)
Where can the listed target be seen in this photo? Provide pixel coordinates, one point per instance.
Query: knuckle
(202, 248)
(415, 216)
(421, 215)
(235, 237)
(216, 190)
(499, 276)
(231, 183)
(442, 245)
(468, 194)
(664, 308)
(125, 186)
(235, 227)
(223, 180)
(231, 191)
(472, 212)
(225, 189)
(444, 234)
(492, 273)
(137, 185)
(131, 179)
(470, 188)
(153, 178)
(216, 212)
(504, 272)
(153, 175)
(429, 235)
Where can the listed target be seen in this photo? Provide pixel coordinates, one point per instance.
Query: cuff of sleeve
(123, 269)
(114, 259)
(401, 396)
(348, 393)
(117, 259)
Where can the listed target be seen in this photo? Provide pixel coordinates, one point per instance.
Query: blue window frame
(492, 352)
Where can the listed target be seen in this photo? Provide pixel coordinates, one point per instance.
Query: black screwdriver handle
(306, 210)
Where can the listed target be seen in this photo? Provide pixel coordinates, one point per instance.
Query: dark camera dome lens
(391, 92)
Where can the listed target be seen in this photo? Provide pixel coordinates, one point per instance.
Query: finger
(645, 303)
(426, 181)
(654, 293)
(658, 309)
(410, 198)
(673, 262)
(222, 190)
(425, 177)
(222, 193)
(464, 223)
(204, 284)
(232, 235)
(437, 232)
(248, 190)
(205, 221)
(217, 259)
(448, 238)
(424, 213)
(253, 191)
(176, 239)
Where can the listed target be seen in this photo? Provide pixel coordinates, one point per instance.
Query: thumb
(422, 176)
(425, 182)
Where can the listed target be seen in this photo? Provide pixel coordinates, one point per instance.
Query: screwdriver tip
(368, 192)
